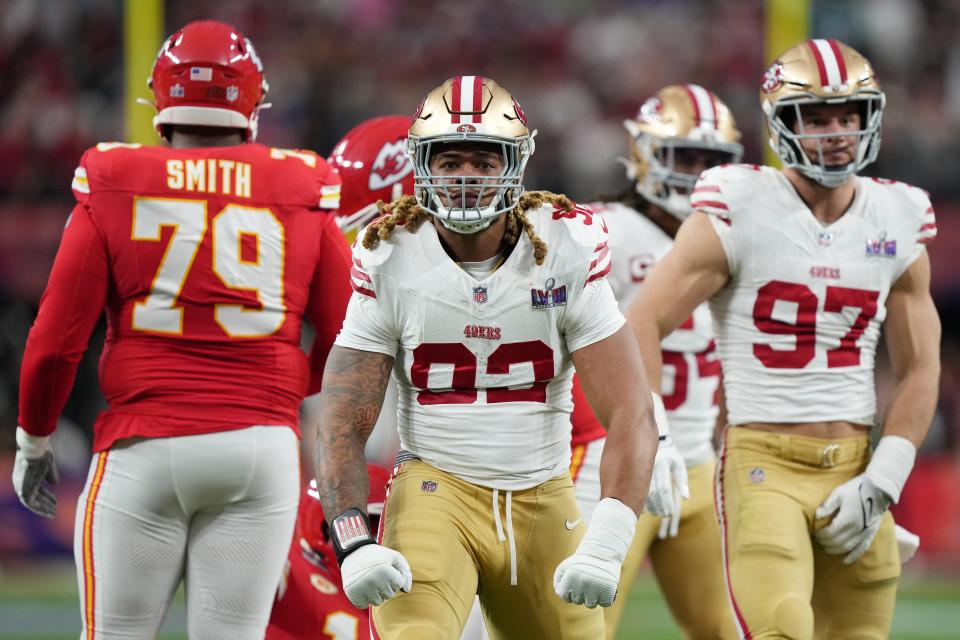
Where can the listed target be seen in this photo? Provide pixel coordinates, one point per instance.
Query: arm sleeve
(593, 316)
(329, 295)
(69, 309)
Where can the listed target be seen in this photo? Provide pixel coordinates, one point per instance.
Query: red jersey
(586, 427)
(206, 261)
(310, 601)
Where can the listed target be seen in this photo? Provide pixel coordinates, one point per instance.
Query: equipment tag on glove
(350, 530)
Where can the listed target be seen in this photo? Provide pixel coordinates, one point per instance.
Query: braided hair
(406, 212)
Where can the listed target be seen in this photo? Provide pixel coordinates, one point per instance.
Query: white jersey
(691, 368)
(798, 322)
(483, 367)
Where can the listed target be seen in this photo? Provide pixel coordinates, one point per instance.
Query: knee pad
(793, 618)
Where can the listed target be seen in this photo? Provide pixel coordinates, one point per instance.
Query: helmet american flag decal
(467, 98)
(832, 68)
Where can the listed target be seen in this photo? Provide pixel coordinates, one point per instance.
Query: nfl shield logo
(480, 294)
(428, 486)
(233, 93)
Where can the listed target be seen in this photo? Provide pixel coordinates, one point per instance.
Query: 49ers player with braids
(206, 255)
(802, 266)
(677, 133)
(481, 298)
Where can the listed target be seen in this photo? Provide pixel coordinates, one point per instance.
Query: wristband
(349, 531)
(33, 447)
(611, 530)
(891, 464)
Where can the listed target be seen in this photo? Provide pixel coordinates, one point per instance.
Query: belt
(815, 453)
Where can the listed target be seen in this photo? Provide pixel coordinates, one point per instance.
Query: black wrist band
(349, 531)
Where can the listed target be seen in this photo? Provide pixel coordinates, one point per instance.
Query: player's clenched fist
(591, 575)
(372, 573)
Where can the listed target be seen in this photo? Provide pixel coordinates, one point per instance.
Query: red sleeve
(69, 309)
(329, 294)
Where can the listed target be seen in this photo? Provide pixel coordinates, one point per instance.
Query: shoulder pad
(95, 167)
(583, 233)
(914, 203)
(718, 188)
(581, 224)
(311, 169)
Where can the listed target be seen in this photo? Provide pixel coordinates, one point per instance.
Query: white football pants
(216, 510)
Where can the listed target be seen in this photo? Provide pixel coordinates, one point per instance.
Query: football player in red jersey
(310, 601)
(206, 256)
(373, 165)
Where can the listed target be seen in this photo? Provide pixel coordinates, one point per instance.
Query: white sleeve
(710, 196)
(593, 316)
(366, 328)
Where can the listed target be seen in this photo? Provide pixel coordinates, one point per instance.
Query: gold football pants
(461, 539)
(781, 583)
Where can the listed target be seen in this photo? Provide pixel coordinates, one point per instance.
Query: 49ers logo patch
(772, 78)
(390, 166)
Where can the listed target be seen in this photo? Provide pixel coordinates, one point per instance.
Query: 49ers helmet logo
(466, 128)
(772, 78)
(390, 166)
(650, 110)
(519, 110)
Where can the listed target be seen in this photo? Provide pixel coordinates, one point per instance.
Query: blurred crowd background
(578, 67)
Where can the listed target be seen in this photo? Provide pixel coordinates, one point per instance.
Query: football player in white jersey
(480, 298)
(677, 134)
(802, 266)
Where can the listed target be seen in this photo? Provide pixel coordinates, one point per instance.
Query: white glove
(669, 485)
(33, 465)
(859, 503)
(670, 525)
(372, 574)
(907, 543)
(591, 575)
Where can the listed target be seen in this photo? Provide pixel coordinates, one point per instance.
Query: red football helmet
(311, 525)
(373, 164)
(208, 74)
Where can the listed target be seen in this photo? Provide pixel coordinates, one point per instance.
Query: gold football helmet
(678, 117)
(473, 109)
(821, 71)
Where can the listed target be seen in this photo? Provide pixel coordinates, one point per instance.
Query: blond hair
(407, 212)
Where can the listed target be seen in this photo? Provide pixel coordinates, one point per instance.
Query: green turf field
(41, 603)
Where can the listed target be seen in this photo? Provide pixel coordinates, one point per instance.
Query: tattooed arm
(354, 383)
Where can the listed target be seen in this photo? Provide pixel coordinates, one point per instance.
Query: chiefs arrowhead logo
(390, 166)
(323, 585)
